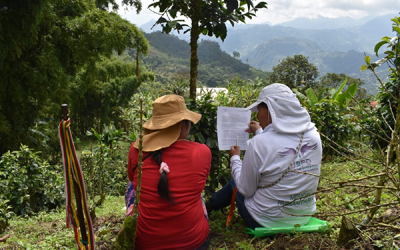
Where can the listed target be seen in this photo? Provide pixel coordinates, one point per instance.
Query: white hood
(287, 114)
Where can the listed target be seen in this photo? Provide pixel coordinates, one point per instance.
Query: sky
(286, 10)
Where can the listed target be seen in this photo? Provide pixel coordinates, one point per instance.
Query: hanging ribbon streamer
(78, 217)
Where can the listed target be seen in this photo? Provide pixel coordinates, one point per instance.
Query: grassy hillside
(169, 57)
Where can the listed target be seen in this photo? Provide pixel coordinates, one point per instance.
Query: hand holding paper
(235, 150)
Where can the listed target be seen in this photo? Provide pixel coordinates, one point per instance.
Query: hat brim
(162, 122)
(254, 107)
(157, 139)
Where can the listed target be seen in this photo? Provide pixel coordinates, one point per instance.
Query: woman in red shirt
(171, 213)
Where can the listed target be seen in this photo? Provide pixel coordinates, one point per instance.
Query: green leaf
(397, 29)
(261, 5)
(249, 4)
(363, 67)
(390, 54)
(350, 206)
(344, 81)
(172, 24)
(311, 96)
(386, 38)
(395, 20)
(172, 13)
(352, 89)
(341, 99)
(162, 20)
(367, 60)
(377, 47)
(200, 137)
(231, 5)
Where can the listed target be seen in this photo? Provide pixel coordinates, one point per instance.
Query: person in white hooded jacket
(280, 168)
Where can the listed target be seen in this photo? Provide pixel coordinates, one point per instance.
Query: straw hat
(164, 127)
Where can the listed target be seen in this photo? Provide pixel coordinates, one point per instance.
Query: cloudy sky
(285, 10)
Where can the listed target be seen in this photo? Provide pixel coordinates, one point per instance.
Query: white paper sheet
(231, 126)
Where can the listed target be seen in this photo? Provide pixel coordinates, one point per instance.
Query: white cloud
(285, 10)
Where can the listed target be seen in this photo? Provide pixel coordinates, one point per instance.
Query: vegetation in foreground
(48, 230)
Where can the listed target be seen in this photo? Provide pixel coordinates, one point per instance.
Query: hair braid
(163, 188)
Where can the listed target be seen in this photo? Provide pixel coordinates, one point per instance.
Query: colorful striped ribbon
(73, 172)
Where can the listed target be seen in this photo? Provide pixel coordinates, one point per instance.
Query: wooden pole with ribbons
(77, 212)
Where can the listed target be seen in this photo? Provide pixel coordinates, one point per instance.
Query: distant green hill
(268, 54)
(169, 57)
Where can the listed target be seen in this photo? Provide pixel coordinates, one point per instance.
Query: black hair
(187, 123)
(263, 104)
(163, 188)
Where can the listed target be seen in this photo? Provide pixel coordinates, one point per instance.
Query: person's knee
(232, 183)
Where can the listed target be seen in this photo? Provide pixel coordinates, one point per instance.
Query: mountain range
(334, 45)
(169, 59)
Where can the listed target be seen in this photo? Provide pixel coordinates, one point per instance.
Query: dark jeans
(205, 245)
(222, 199)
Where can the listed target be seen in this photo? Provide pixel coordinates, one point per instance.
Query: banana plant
(336, 95)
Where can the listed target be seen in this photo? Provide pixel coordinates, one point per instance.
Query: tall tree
(95, 101)
(43, 45)
(142, 47)
(207, 18)
(295, 72)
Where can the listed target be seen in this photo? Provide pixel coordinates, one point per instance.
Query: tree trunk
(194, 37)
(137, 65)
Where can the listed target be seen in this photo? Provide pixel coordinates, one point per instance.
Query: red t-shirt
(162, 225)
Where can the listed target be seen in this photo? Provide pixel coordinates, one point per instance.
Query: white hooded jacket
(267, 157)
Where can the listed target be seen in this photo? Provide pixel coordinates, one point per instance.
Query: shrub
(382, 118)
(5, 214)
(29, 183)
(333, 123)
(104, 171)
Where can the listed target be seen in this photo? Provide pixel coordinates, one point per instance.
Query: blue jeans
(222, 199)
